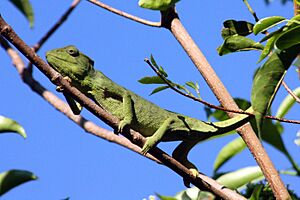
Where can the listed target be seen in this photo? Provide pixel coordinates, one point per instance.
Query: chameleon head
(69, 61)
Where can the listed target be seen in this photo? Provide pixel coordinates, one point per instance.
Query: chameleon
(141, 115)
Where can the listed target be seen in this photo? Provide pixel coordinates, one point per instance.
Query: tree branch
(202, 182)
(170, 20)
(124, 14)
(296, 7)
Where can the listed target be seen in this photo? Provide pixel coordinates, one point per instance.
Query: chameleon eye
(73, 52)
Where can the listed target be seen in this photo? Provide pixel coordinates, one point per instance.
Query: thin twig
(291, 92)
(124, 14)
(251, 10)
(61, 20)
(52, 30)
(206, 183)
(171, 86)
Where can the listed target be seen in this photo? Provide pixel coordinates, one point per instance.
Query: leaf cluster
(15, 177)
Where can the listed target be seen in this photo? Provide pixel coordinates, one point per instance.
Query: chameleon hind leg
(127, 110)
(157, 136)
(180, 153)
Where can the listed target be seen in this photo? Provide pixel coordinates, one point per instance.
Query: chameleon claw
(123, 123)
(145, 149)
(59, 88)
(121, 126)
(148, 145)
(195, 174)
(67, 79)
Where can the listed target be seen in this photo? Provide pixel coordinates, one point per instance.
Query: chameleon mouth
(56, 62)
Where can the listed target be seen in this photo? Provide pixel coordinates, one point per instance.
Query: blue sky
(71, 163)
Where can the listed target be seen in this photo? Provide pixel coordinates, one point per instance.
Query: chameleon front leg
(74, 105)
(157, 136)
(127, 110)
(180, 153)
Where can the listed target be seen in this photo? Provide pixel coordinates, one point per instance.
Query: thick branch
(202, 183)
(171, 21)
(296, 7)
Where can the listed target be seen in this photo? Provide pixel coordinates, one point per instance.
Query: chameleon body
(152, 121)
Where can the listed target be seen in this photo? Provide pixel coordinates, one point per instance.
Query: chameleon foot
(122, 125)
(195, 173)
(60, 88)
(149, 144)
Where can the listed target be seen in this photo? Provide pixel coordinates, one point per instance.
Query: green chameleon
(152, 121)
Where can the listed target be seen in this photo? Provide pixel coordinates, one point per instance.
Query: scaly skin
(150, 120)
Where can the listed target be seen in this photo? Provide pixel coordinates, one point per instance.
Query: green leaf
(288, 38)
(25, 7)
(268, 48)
(294, 21)
(157, 4)
(161, 197)
(277, 32)
(238, 43)
(256, 192)
(287, 103)
(162, 71)
(159, 89)
(153, 62)
(189, 194)
(267, 81)
(241, 177)
(9, 125)
(192, 85)
(13, 178)
(228, 151)
(233, 27)
(236, 146)
(267, 23)
(151, 80)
